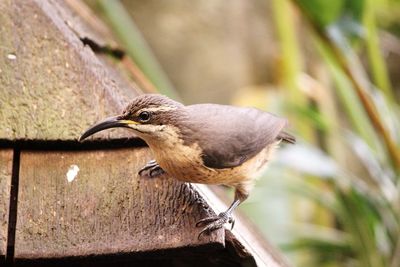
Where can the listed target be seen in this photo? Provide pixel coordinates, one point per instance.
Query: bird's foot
(151, 169)
(215, 222)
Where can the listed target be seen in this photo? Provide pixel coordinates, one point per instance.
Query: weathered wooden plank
(6, 157)
(52, 86)
(106, 209)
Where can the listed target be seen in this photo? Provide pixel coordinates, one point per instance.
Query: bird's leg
(215, 222)
(151, 169)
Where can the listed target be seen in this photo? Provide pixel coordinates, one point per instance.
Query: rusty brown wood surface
(105, 209)
(52, 86)
(6, 157)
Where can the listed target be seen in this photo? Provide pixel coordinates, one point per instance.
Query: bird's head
(151, 116)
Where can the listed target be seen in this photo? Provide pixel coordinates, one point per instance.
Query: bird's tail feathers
(287, 137)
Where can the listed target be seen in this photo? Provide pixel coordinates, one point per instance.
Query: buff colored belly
(185, 164)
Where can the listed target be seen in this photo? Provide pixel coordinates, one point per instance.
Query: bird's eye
(144, 116)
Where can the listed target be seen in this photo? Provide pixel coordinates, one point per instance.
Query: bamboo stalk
(291, 61)
(377, 63)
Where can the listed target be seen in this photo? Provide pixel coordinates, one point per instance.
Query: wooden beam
(52, 85)
(104, 208)
(6, 158)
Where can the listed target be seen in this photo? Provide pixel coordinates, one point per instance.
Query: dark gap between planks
(72, 145)
(12, 216)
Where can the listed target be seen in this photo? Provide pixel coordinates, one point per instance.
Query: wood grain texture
(107, 209)
(52, 86)
(6, 157)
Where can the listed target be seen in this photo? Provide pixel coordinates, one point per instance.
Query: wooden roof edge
(71, 30)
(244, 237)
(69, 74)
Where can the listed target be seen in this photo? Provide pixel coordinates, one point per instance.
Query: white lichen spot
(72, 172)
(11, 57)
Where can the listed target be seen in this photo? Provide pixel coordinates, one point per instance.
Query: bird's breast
(182, 162)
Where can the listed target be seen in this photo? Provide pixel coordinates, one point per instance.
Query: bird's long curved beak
(111, 122)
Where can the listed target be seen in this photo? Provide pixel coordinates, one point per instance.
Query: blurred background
(332, 68)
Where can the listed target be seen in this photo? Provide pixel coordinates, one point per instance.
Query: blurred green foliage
(364, 194)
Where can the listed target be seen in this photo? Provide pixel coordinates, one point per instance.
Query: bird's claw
(151, 169)
(215, 222)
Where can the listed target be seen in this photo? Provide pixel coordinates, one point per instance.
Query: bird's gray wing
(230, 135)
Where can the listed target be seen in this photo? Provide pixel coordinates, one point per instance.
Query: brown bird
(203, 143)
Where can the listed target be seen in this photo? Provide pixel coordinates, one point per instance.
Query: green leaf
(360, 219)
(350, 20)
(354, 9)
(324, 244)
(322, 12)
(345, 14)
